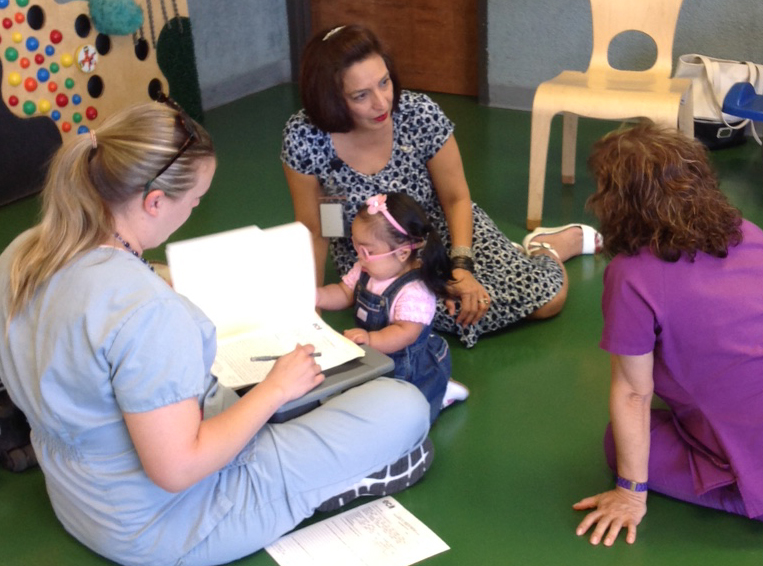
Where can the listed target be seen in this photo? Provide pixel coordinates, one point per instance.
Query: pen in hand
(274, 358)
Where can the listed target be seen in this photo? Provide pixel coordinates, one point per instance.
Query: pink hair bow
(378, 203)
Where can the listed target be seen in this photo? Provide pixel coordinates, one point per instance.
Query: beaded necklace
(128, 247)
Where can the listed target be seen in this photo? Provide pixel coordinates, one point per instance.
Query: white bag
(711, 80)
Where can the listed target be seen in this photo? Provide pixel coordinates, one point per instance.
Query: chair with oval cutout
(607, 93)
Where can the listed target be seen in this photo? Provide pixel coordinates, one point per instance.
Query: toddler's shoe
(455, 391)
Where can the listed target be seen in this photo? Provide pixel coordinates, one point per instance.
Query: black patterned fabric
(517, 285)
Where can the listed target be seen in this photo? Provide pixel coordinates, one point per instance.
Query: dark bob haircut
(656, 188)
(325, 59)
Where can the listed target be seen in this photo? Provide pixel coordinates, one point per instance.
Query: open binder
(258, 287)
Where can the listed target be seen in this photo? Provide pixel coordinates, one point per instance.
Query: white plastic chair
(607, 93)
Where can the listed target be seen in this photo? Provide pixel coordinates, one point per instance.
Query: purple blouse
(704, 323)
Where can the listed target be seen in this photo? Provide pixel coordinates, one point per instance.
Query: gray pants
(289, 469)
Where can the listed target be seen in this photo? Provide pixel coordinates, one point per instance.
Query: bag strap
(713, 72)
(754, 79)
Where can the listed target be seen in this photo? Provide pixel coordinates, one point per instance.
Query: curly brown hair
(656, 188)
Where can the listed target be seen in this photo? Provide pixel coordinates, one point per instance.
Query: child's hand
(358, 335)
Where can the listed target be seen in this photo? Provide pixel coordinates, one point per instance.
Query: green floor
(527, 444)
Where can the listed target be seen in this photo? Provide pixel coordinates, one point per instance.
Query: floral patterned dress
(517, 284)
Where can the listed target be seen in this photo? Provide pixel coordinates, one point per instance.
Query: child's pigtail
(436, 267)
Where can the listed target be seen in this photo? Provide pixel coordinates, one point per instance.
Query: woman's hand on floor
(612, 511)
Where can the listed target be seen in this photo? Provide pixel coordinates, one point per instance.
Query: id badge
(332, 220)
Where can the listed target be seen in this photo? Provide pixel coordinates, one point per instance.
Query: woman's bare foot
(568, 243)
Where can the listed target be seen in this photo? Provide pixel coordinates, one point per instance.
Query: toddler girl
(402, 268)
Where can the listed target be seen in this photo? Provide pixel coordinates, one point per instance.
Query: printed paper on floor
(379, 533)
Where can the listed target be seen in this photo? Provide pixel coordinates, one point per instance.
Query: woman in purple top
(683, 319)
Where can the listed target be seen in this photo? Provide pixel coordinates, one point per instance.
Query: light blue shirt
(105, 336)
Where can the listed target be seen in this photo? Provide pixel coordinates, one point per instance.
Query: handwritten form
(258, 287)
(233, 365)
(379, 533)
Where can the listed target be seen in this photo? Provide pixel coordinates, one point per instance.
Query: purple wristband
(631, 485)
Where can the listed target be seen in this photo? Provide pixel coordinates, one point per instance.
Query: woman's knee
(553, 307)
(402, 399)
(386, 401)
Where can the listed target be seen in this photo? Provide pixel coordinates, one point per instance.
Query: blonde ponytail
(85, 183)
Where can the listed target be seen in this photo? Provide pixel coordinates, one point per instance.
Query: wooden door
(434, 42)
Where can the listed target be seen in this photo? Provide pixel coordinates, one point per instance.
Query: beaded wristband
(631, 485)
(462, 262)
(461, 251)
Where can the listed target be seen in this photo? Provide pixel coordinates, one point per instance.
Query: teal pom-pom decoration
(116, 17)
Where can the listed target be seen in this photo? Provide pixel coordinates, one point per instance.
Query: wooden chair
(607, 93)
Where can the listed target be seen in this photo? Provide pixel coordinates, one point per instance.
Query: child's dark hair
(435, 264)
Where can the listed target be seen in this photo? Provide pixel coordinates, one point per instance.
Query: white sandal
(534, 247)
(592, 240)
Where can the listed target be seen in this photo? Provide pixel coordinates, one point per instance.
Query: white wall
(530, 41)
(241, 47)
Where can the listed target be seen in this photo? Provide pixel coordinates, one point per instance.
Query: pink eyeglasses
(378, 203)
(365, 256)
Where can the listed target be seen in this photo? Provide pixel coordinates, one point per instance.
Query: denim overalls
(426, 363)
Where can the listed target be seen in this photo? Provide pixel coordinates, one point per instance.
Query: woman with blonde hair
(147, 459)
(683, 319)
